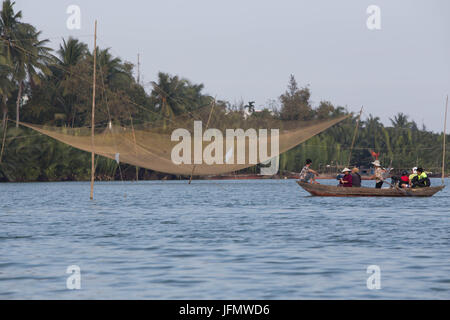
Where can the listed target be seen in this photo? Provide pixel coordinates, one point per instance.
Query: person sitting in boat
(404, 180)
(412, 175)
(378, 174)
(356, 178)
(421, 180)
(307, 174)
(346, 180)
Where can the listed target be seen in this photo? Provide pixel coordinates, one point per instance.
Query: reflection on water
(214, 240)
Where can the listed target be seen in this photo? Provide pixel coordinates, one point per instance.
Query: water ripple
(218, 240)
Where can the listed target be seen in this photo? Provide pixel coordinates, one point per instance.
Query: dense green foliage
(45, 87)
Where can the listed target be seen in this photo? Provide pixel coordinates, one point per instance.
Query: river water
(251, 239)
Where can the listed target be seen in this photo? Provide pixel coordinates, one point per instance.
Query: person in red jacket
(346, 180)
(404, 180)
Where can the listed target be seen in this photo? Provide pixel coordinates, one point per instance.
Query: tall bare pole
(138, 69)
(207, 125)
(138, 82)
(354, 136)
(445, 134)
(135, 146)
(93, 113)
(4, 138)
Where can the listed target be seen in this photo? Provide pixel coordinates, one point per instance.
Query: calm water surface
(216, 240)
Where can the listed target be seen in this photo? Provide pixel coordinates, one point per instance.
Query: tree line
(54, 87)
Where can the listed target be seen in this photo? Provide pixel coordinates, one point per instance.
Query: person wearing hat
(378, 174)
(356, 178)
(346, 180)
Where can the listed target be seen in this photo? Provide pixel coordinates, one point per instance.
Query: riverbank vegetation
(54, 87)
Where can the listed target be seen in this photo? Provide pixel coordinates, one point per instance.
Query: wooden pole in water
(354, 137)
(132, 127)
(445, 133)
(93, 113)
(207, 125)
(135, 147)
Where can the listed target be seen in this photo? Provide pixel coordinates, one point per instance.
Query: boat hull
(321, 190)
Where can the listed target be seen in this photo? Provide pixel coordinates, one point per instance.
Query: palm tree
(371, 136)
(113, 65)
(9, 29)
(35, 65)
(401, 121)
(6, 87)
(173, 96)
(11, 33)
(70, 55)
(114, 71)
(372, 125)
(169, 95)
(25, 53)
(71, 52)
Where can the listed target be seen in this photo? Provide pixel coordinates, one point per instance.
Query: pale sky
(246, 49)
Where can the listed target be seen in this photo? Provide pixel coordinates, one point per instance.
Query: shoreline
(211, 178)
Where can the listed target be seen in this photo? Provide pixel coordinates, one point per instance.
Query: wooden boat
(322, 190)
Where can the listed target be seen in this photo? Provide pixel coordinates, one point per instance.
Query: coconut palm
(6, 87)
(401, 121)
(172, 96)
(10, 29)
(71, 52)
(34, 65)
(115, 72)
(9, 21)
(25, 53)
(12, 35)
(168, 94)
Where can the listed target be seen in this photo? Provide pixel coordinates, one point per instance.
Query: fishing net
(153, 144)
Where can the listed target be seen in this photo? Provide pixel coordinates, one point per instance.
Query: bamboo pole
(135, 147)
(132, 127)
(138, 69)
(443, 148)
(4, 139)
(93, 113)
(207, 125)
(354, 136)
